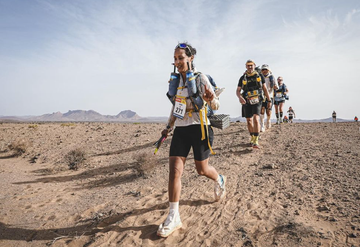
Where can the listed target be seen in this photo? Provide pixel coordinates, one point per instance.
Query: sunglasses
(184, 46)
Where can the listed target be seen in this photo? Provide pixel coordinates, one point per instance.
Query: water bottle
(173, 84)
(190, 82)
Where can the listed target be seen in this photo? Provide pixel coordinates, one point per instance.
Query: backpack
(247, 93)
(281, 89)
(196, 99)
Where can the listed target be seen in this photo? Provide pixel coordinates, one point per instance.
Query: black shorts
(264, 104)
(250, 110)
(278, 102)
(291, 117)
(190, 136)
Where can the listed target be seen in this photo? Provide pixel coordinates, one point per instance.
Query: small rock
(269, 166)
(333, 219)
(352, 235)
(323, 208)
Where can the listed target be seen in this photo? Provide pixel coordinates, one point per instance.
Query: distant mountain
(123, 116)
(56, 116)
(78, 116)
(325, 120)
(127, 115)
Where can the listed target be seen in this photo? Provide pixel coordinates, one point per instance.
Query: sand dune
(302, 188)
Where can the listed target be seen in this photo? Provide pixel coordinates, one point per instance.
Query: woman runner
(188, 134)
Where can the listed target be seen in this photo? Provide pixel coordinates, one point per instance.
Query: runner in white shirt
(270, 84)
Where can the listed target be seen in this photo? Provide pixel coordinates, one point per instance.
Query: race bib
(254, 100)
(180, 107)
(279, 95)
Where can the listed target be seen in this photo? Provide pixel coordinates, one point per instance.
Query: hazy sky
(111, 56)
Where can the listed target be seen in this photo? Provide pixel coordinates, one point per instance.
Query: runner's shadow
(230, 133)
(90, 228)
(246, 149)
(147, 231)
(242, 152)
(126, 150)
(83, 175)
(9, 156)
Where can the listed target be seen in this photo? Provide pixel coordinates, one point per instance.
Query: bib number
(180, 107)
(254, 100)
(279, 95)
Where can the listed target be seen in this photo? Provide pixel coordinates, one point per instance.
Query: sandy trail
(302, 188)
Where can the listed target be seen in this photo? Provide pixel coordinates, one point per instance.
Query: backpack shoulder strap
(244, 82)
(272, 81)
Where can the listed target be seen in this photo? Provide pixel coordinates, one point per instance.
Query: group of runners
(192, 94)
(258, 91)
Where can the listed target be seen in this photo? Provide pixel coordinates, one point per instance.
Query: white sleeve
(203, 80)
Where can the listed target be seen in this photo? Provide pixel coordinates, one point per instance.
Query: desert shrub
(74, 158)
(67, 124)
(18, 147)
(145, 163)
(33, 126)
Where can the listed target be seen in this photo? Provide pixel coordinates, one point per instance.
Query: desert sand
(302, 188)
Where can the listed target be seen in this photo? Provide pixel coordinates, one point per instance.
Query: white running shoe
(220, 190)
(262, 129)
(171, 224)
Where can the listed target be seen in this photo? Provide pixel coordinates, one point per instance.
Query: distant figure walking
(285, 120)
(280, 96)
(356, 119)
(291, 114)
(334, 116)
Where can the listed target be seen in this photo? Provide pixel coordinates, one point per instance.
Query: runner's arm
(266, 92)
(170, 123)
(238, 94)
(208, 94)
(238, 91)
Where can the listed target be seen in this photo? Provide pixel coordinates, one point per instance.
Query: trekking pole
(159, 142)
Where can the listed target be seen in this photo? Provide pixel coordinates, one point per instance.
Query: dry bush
(74, 158)
(67, 124)
(18, 147)
(145, 163)
(33, 126)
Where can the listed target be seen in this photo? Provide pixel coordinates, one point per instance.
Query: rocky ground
(99, 184)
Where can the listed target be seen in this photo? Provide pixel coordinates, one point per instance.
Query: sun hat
(265, 66)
